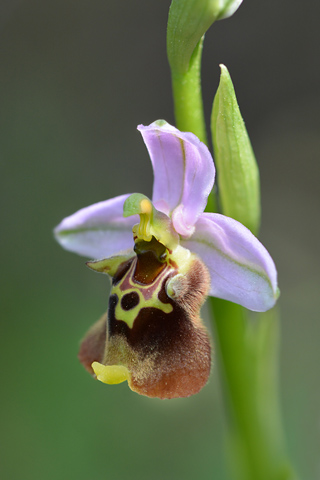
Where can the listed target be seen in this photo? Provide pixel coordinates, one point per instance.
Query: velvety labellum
(158, 338)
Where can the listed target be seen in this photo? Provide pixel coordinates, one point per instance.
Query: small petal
(97, 231)
(109, 265)
(241, 269)
(183, 173)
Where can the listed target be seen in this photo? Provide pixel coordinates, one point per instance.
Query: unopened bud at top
(188, 22)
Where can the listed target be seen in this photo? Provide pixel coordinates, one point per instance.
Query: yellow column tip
(146, 206)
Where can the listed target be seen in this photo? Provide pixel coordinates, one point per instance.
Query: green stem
(248, 354)
(187, 97)
(188, 105)
(247, 351)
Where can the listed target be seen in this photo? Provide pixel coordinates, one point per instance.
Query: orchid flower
(164, 257)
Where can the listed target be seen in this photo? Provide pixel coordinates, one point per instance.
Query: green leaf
(238, 174)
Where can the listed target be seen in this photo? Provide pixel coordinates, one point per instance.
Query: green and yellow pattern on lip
(147, 295)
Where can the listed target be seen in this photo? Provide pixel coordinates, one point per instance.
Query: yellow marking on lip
(129, 316)
(127, 285)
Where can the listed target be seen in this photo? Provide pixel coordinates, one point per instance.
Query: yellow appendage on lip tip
(111, 374)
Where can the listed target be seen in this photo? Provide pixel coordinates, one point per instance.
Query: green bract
(238, 179)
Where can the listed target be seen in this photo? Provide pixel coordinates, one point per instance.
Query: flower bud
(238, 174)
(188, 21)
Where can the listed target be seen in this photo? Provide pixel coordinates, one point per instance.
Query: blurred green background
(76, 78)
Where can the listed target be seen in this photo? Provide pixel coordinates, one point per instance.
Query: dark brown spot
(113, 300)
(115, 327)
(130, 300)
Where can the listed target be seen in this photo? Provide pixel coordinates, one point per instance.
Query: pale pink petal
(183, 173)
(240, 267)
(97, 231)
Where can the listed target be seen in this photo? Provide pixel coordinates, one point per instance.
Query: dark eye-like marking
(130, 300)
(113, 300)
